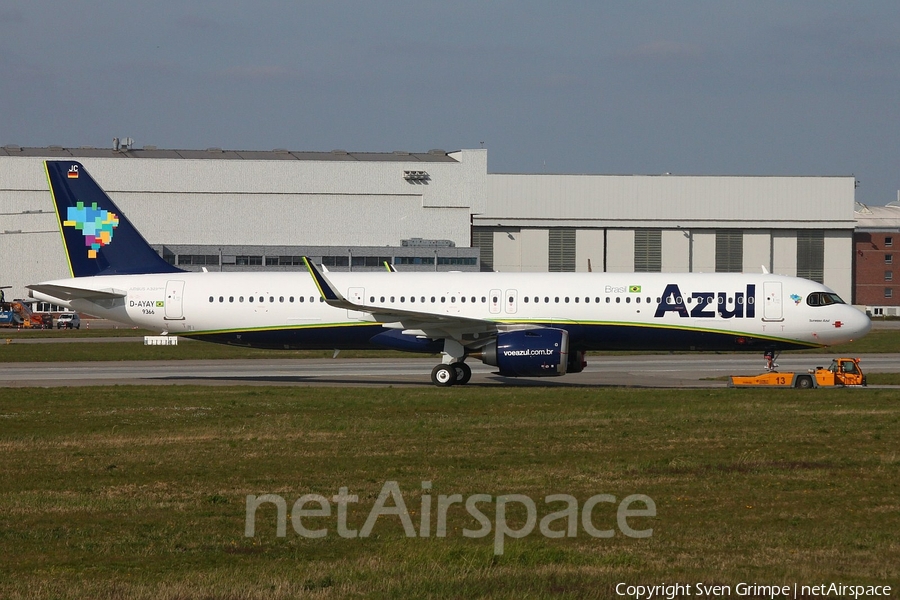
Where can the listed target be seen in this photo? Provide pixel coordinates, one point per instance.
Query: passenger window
(211, 299)
(567, 299)
(302, 299)
(382, 298)
(638, 299)
(432, 299)
(291, 299)
(443, 299)
(546, 299)
(371, 298)
(577, 299)
(608, 300)
(231, 298)
(627, 299)
(271, 298)
(412, 298)
(618, 299)
(402, 298)
(250, 298)
(556, 299)
(241, 299)
(281, 298)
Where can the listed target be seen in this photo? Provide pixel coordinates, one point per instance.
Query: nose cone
(855, 324)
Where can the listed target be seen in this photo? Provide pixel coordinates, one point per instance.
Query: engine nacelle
(541, 352)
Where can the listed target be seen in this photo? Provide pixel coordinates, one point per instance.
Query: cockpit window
(823, 299)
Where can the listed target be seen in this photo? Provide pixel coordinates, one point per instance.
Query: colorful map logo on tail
(95, 224)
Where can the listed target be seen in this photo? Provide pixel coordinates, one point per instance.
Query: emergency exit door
(174, 300)
(772, 310)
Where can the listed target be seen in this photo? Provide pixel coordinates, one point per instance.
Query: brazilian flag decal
(160, 303)
(634, 289)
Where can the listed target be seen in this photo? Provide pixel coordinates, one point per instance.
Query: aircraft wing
(468, 331)
(67, 293)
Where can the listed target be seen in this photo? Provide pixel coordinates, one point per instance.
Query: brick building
(877, 255)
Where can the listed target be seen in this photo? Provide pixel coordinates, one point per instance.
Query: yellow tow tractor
(841, 372)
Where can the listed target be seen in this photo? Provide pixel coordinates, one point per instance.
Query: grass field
(140, 492)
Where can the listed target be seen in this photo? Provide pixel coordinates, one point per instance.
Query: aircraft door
(174, 300)
(772, 311)
(511, 298)
(356, 295)
(496, 301)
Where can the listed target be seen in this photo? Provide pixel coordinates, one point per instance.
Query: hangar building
(230, 210)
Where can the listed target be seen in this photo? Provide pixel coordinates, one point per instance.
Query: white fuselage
(605, 310)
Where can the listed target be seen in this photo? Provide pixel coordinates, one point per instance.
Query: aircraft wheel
(443, 375)
(463, 373)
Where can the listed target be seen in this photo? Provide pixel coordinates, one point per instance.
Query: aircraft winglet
(328, 291)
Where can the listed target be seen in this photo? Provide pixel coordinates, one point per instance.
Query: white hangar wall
(273, 199)
(520, 222)
(693, 215)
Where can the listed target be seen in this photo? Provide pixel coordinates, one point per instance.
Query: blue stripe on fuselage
(581, 337)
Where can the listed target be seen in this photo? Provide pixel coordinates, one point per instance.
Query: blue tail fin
(98, 238)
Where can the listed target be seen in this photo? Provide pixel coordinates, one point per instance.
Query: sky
(695, 88)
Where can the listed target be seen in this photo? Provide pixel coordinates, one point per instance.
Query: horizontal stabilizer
(67, 293)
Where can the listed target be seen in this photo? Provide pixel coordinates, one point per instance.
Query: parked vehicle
(17, 314)
(843, 371)
(69, 321)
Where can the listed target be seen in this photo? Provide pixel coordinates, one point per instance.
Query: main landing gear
(458, 373)
(452, 371)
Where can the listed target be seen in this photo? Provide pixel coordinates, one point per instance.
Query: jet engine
(541, 352)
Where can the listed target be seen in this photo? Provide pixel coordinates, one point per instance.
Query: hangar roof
(431, 156)
(878, 218)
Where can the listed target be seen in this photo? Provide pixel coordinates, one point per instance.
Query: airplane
(525, 324)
